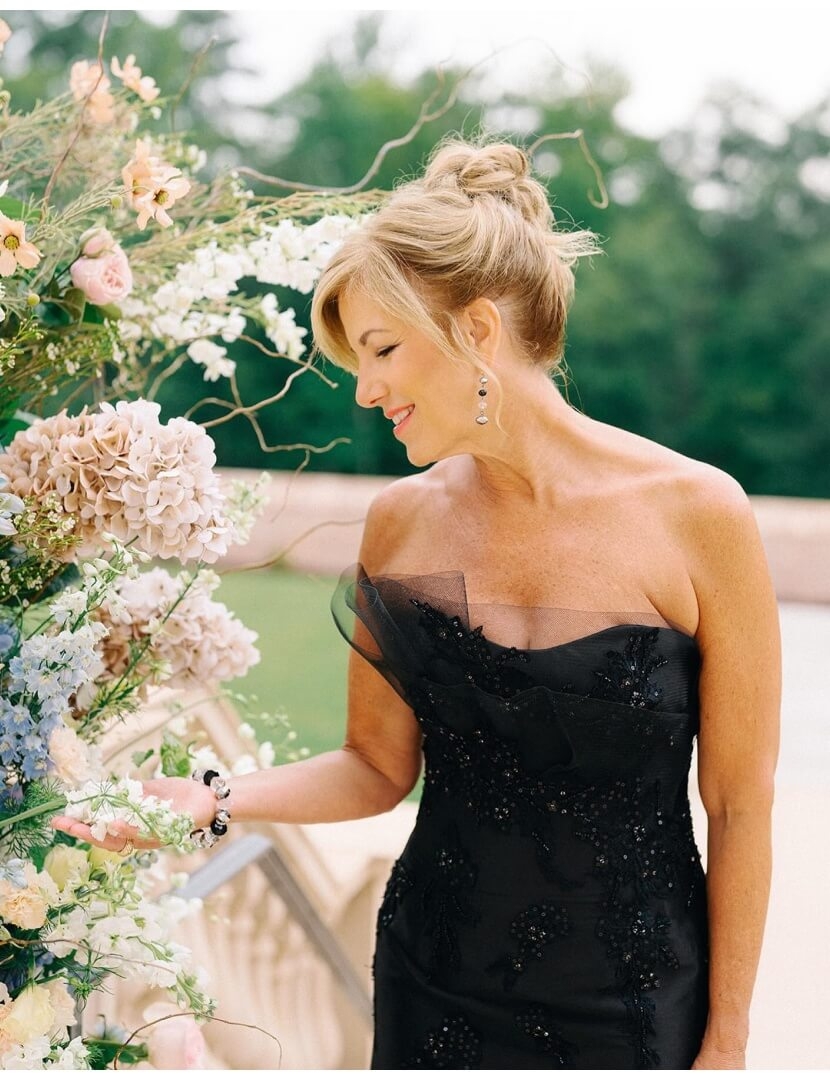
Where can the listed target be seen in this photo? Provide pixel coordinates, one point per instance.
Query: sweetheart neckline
(587, 637)
(369, 578)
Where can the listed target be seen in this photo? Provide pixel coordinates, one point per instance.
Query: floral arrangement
(118, 265)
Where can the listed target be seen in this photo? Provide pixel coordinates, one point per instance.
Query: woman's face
(431, 401)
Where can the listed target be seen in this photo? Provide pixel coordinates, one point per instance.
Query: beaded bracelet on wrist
(206, 838)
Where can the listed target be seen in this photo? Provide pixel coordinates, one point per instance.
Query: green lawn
(304, 657)
(303, 666)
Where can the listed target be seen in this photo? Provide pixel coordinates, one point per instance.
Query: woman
(549, 615)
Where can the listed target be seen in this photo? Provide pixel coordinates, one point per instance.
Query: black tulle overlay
(549, 908)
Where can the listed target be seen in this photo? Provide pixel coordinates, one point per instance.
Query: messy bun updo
(476, 224)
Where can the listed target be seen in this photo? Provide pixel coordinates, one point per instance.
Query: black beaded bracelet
(206, 838)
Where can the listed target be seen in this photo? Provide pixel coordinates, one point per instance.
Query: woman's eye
(387, 350)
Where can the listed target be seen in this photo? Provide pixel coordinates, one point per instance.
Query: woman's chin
(419, 459)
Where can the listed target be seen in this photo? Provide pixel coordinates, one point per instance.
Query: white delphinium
(68, 606)
(100, 803)
(131, 935)
(213, 358)
(74, 1055)
(282, 329)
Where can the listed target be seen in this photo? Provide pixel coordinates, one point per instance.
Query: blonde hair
(476, 224)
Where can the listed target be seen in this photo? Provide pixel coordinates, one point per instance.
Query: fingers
(120, 837)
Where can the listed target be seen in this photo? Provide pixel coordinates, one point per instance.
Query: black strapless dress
(549, 908)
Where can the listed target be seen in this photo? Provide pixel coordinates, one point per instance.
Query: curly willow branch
(76, 134)
(275, 559)
(213, 1019)
(198, 60)
(424, 117)
(579, 135)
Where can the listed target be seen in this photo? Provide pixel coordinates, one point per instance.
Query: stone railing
(287, 936)
(317, 520)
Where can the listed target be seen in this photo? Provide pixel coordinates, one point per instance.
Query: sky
(671, 51)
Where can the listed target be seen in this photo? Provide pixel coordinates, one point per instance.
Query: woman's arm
(740, 700)
(376, 767)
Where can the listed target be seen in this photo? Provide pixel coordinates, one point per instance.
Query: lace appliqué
(444, 889)
(627, 676)
(397, 886)
(446, 901)
(637, 940)
(536, 1022)
(454, 1044)
(533, 929)
(640, 857)
(470, 651)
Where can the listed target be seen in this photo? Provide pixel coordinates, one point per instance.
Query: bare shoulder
(400, 512)
(727, 563)
(709, 505)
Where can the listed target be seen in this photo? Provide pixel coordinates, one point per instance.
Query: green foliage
(700, 327)
(31, 815)
(175, 760)
(105, 1049)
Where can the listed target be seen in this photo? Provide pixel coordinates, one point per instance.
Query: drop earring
(482, 401)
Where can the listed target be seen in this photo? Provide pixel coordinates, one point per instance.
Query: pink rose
(102, 272)
(176, 1043)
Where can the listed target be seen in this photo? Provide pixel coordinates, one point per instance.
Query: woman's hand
(183, 794)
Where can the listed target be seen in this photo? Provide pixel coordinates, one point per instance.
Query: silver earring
(482, 400)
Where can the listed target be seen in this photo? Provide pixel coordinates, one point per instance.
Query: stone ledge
(315, 520)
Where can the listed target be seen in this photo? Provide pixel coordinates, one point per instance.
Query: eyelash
(387, 350)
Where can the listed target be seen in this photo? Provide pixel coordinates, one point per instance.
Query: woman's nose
(370, 389)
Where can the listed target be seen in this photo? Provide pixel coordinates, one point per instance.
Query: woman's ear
(482, 323)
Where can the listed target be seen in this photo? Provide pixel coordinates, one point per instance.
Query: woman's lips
(404, 423)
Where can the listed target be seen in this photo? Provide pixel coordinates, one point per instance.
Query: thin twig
(297, 540)
(580, 137)
(166, 373)
(194, 67)
(424, 117)
(80, 125)
(247, 410)
(213, 1019)
(281, 356)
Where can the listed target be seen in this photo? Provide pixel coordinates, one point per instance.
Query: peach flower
(29, 906)
(102, 272)
(122, 471)
(5, 34)
(197, 638)
(132, 78)
(177, 1043)
(152, 186)
(25, 908)
(75, 761)
(88, 82)
(31, 1014)
(15, 249)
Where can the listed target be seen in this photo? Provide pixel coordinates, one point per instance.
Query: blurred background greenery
(704, 326)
